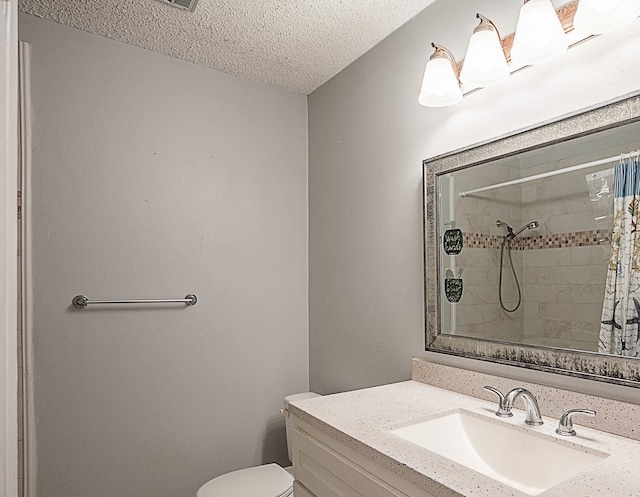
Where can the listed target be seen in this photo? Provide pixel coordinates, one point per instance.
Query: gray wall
(367, 139)
(154, 178)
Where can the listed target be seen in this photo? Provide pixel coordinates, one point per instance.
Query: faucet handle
(503, 411)
(565, 427)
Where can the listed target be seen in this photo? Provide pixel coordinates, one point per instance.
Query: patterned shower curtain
(621, 308)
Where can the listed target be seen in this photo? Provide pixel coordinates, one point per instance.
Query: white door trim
(8, 250)
(28, 413)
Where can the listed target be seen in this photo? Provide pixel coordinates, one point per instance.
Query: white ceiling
(293, 44)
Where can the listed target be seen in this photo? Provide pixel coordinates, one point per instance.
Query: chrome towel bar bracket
(81, 301)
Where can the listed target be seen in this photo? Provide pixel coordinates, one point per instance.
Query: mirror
(518, 248)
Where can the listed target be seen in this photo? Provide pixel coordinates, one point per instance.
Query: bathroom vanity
(347, 445)
(438, 435)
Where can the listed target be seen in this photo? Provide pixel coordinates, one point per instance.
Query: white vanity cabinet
(349, 445)
(325, 467)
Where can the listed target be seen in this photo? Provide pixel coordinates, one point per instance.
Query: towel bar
(81, 301)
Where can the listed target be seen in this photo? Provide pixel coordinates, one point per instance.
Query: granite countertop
(362, 419)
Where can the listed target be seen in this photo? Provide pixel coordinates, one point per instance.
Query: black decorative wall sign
(453, 289)
(452, 241)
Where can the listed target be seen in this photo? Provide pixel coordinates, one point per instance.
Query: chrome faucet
(531, 408)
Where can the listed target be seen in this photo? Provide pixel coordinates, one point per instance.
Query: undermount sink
(529, 462)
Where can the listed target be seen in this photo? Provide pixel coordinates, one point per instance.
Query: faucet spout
(531, 407)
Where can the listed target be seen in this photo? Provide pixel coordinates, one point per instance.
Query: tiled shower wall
(564, 283)
(478, 314)
(564, 290)
(561, 265)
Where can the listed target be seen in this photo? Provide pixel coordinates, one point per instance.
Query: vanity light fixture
(440, 85)
(539, 34)
(485, 63)
(602, 16)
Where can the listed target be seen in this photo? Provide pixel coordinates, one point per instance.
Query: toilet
(268, 480)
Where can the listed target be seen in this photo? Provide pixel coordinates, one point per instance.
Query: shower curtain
(621, 308)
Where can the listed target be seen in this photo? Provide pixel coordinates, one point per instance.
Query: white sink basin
(529, 462)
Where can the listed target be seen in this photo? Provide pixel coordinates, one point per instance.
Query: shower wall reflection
(560, 265)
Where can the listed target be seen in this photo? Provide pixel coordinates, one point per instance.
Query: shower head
(512, 234)
(502, 224)
(529, 226)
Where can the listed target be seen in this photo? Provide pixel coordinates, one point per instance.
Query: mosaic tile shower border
(556, 240)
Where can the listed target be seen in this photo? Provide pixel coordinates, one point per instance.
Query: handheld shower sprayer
(512, 234)
(507, 241)
(529, 226)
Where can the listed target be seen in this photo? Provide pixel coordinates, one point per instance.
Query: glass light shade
(484, 64)
(539, 34)
(601, 16)
(440, 85)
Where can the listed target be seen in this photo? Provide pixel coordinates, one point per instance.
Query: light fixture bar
(446, 81)
(565, 13)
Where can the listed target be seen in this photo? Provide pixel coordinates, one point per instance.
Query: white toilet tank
(268, 480)
(288, 421)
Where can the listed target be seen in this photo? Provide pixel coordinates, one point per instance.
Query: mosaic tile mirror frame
(518, 244)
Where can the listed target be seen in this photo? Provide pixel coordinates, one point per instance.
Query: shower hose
(507, 242)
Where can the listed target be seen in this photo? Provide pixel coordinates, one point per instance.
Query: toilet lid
(269, 480)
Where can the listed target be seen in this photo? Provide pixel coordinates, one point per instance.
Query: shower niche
(535, 242)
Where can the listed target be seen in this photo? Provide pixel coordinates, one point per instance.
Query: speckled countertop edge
(619, 418)
(361, 420)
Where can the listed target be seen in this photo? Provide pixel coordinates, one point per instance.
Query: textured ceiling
(293, 44)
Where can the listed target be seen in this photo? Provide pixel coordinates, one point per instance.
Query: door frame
(25, 308)
(8, 242)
